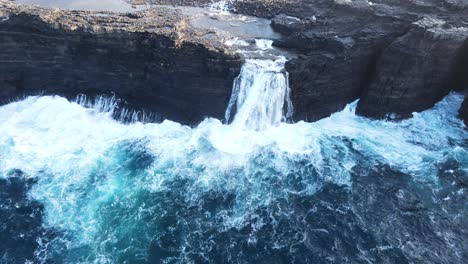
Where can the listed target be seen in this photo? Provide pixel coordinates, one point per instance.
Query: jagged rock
(337, 55)
(154, 60)
(415, 71)
(397, 56)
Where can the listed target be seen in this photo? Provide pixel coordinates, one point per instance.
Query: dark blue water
(77, 186)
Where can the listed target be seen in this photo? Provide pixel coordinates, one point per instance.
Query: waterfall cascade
(222, 6)
(260, 95)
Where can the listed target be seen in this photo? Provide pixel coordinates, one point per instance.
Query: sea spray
(121, 192)
(116, 108)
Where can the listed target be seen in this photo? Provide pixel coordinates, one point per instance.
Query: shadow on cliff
(147, 70)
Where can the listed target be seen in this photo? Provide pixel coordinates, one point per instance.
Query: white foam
(260, 94)
(76, 153)
(236, 42)
(40, 129)
(221, 6)
(264, 44)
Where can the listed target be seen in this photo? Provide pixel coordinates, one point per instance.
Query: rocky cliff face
(337, 57)
(152, 60)
(415, 71)
(397, 56)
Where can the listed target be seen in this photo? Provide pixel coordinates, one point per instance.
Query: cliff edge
(154, 60)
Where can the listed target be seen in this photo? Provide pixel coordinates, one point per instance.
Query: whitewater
(141, 192)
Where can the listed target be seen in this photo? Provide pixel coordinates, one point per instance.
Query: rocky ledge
(398, 57)
(154, 60)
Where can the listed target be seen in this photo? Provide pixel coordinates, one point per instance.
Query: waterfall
(260, 96)
(222, 6)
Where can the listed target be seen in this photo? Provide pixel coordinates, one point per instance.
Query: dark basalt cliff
(397, 56)
(153, 60)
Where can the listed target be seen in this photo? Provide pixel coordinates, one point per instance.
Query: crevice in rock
(371, 73)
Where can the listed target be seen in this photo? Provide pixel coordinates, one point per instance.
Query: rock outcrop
(397, 56)
(154, 60)
(415, 71)
(337, 57)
